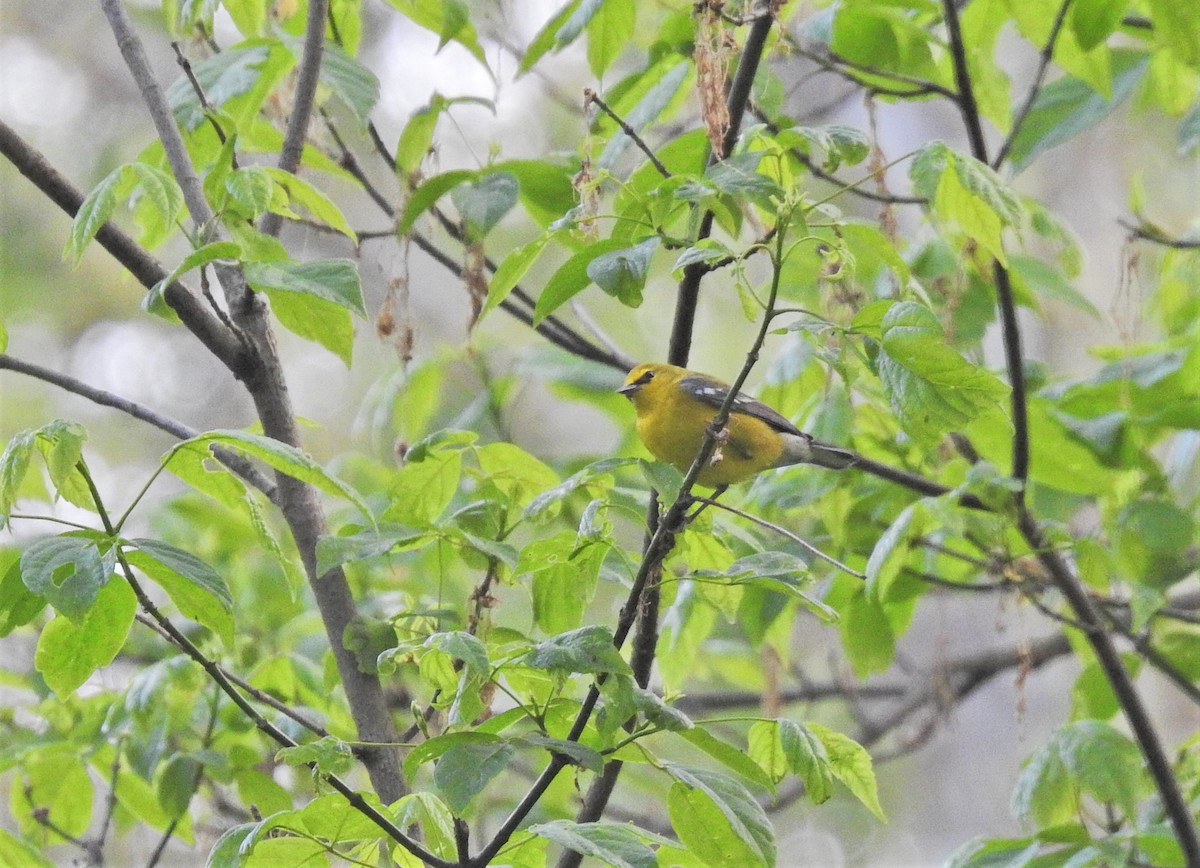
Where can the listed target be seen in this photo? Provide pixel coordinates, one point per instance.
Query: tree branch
(239, 465)
(739, 97)
(265, 381)
(222, 342)
(302, 101)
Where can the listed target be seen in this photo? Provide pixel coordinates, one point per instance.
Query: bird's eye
(645, 378)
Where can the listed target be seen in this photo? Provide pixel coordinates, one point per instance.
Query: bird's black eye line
(645, 378)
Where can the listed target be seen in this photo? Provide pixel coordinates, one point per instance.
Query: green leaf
(571, 278)
(931, 388)
(302, 193)
(586, 650)
(564, 572)
(510, 271)
(196, 589)
(580, 17)
(967, 195)
(1093, 21)
(55, 781)
(1103, 762)
(328, 754)
(891, 550)
(352, 83)
(616, 845)
(666, 85)
(315, 319)
(237, 79)
(69, 651)
(622, 273)
(840, 144)
(313, 299)
(217, 250)
(14, 464)
(68, 571)
(808, 758)
(18, 605)
(334, 551)
(546, 39)
(425, 197)
(421, 490)
(465, 769)
(1175, 28)
(851, 764)
(16, 853)
(717, 819)
(431, 814)
(333, 280)
(1044, 796)
(1066, 107)
(731, 757)
(1037, 278)
(484, 201)
(93, 213)
(579, 754)
(449, 19)
(280, 456)
(609, 33)
(61, 444)
(176, 784)
(252, 189)
(160, 191)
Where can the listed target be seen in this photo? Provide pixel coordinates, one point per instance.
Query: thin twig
(239, 465)
(1047, 54)
(186, 65)
(259, 695)
(302, 101)
(590, 96)
(227, 345)
(216, 673)
(782, 531)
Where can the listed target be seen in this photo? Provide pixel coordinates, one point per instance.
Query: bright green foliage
(489, 549)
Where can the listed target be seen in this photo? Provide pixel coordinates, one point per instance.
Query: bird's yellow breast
(672, 425)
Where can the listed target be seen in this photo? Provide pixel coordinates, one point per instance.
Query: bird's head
(649, 380)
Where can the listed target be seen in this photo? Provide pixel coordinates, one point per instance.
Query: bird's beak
(628, 389)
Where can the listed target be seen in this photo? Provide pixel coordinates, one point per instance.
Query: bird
(675, 406)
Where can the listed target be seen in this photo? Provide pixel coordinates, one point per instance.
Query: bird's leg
(720, 438)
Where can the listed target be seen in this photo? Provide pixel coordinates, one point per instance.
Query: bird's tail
(833, 457)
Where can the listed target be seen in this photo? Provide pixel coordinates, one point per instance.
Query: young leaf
(68, 571)
(69, 651)
(571, 278)
(851, 764)
(95, 211)
(931, 388)
(667, 84)
(278, 455)
(302, 193)
(352, 83)
(586, 650)
(425, 197)
(512, 268)
(617, 845)
(548, 37)
(483, 202)
(717, 818)
(729, 756)
(328, 754)
(609, 33)
(465, 769)
(332, 280)
(196, 589)
(622, 273)
(1067, 106)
